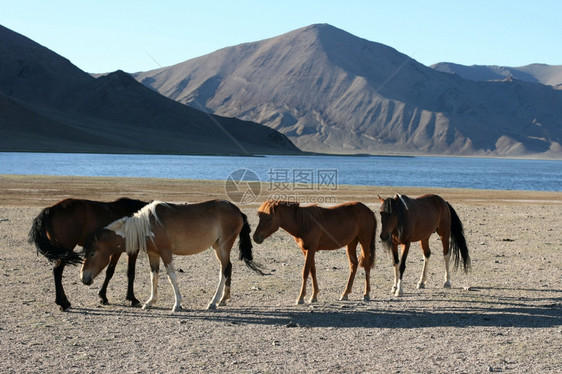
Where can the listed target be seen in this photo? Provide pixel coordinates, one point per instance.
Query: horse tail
(38, 236)
(369, 260)
(245, 246)
(458, 241)
(373, 241)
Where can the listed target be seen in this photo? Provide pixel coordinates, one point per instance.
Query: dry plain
(504, 316)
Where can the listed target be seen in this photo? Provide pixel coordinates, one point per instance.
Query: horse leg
(171, 271)
(154, 261)
(352, 257)
(108, 275)
(426, 253)
(404, 256)
(226, 293)
(131, 264)
(224, 259)
(396, 263)
(60, 297)
(315, 289)
(447, 258)
(308, 260)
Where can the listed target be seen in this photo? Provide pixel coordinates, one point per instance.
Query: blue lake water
(449, 172)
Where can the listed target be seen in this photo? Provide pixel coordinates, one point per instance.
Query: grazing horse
(59, 228)
(405, 220)
(164, 229)
(315, 229)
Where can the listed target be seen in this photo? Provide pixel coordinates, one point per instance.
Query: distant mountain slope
(330, 91)
(48, 104)
(550, 75)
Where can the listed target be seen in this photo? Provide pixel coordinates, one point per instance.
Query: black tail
(38, 236)
(245, 246)
(458, 241)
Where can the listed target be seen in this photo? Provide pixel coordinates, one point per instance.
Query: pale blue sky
(103, 35)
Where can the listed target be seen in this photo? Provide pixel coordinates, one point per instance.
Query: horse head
(269, 221)
(392, 213)
(97, 251)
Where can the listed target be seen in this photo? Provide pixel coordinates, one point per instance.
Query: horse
(59, 228)
(165, 229)
(315, 228)
(405, 220)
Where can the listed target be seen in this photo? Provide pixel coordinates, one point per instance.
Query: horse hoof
(63, 306)
(313, 300)
(393, 289)
(299, 302)
(447, 285)
(222, 303)
(366, 298)
(146, 306)
(135, 303)
(211, 306)
(398, 293)
(176, 308)
(344, 298)
(421, 285)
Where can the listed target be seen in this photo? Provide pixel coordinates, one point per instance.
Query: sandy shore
(504, 316)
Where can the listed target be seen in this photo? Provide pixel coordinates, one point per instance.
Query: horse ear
(380, 199)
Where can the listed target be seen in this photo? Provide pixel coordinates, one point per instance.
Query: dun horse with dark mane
(61, 227)
(315, 229)
(162, 230)
(406, 220)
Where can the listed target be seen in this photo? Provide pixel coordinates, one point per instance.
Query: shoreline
(45, 190)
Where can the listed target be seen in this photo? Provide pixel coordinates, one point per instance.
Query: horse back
(191, 228)
(344, 222)
(73, 220)
(426, 214)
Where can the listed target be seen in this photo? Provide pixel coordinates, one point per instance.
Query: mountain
(48, 104)
(330, 91)
(550, 75)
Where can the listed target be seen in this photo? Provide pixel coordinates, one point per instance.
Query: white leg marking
(447, 283)
(173, 281)
(399, 288)
(396, 277)
(218, 292)
(423, 279)
(154, 292)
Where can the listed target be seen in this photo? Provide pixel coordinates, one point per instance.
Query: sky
(106, 35)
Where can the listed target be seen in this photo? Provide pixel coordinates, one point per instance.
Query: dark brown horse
(406, 220)
(163, 230)
(315, 229)
(61, 227)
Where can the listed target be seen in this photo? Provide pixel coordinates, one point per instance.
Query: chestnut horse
(164, 229)
(315, 229)
(61, 227)
(406, 220)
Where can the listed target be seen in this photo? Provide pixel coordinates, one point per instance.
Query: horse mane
(137, 229)
(308, 217)
(269, 206)
(397, 206)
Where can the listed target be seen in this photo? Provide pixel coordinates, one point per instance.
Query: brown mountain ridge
(48, 104)
(330, 91)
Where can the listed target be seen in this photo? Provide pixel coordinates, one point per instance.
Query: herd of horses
(106, 230)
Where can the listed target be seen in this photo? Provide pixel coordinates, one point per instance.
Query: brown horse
(406, 220)
(315, 229)
(164, 229)
(61, 227)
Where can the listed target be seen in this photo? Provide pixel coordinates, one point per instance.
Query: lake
(329, 171)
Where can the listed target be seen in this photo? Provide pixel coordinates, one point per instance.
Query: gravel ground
(504, 316)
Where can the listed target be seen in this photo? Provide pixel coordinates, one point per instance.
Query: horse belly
(183, 244)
